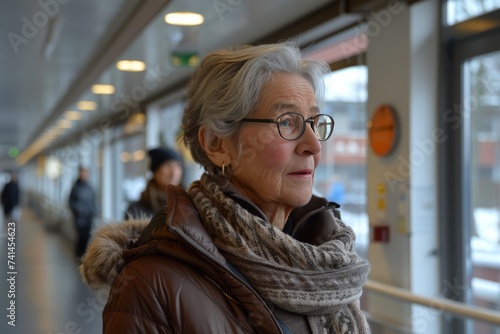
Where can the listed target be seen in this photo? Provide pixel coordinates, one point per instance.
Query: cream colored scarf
(323, 283)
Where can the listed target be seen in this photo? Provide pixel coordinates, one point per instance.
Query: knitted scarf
(323, 282)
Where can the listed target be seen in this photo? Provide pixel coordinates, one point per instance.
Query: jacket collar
(311, 223)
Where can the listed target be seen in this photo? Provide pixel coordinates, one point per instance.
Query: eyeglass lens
(292, 125)
(323, 126)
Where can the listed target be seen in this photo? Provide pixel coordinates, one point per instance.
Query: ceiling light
(53, 132)
(138, 155)
(86, 105)
(103, 89)
(141, 118)
(64, 124)
(125, 157)
(184, 19)
(131, 65)
(73, 115)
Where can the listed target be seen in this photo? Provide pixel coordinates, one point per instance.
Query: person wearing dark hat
(167, 168)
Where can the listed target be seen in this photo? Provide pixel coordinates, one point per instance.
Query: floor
(48, 293)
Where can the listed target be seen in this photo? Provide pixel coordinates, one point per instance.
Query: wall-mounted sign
(184, 59)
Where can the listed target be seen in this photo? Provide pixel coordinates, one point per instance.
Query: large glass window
(128, 177)
(461, 10)
(481, 98)
(470, 169)
(341, 176)
(133, 158)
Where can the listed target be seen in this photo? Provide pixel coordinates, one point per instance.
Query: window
(470, 170)
(341, 175)
(481, 96)
(461, 10)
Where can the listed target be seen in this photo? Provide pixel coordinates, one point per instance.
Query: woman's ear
(215, 148)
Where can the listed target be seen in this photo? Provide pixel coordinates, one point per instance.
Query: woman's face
(169, 172)
(277, 174)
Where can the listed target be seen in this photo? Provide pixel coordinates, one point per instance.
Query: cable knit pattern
(323, 282)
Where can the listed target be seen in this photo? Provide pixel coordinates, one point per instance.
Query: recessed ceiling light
(73, 115)
(86, 105)
(125, 157)
(131, 65)
(184, 19)
(64, 124)
(103, 89)
(140, 118)
(138, 155)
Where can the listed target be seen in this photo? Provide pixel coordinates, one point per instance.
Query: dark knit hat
(160, 155)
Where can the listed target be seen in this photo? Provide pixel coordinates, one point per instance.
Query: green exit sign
(184, 59)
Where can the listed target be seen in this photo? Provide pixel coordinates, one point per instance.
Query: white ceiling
(90, 36)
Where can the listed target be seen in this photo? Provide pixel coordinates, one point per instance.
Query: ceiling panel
(245, 22)
(36, 90)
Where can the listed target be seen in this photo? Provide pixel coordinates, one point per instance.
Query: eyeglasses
(292, 125)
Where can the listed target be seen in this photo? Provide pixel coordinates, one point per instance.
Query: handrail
(442, 304)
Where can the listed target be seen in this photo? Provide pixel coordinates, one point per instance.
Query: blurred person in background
(82, 203)
(248, 248)
(166, 167)
(10, 199)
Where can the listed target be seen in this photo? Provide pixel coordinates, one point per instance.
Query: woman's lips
(305, 172)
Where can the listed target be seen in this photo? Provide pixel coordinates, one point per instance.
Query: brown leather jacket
(181, 283)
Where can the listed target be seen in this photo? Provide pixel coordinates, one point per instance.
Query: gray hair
(226, 87)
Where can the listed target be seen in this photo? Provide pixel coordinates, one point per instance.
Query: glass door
(481, 101)
(470, 176)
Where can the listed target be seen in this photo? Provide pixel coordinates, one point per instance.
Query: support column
(402, 62)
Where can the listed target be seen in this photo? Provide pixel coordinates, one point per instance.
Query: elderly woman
(248, 248)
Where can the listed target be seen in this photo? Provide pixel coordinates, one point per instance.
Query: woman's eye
(286, 123)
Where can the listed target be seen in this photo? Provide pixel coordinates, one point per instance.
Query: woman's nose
(309, 142)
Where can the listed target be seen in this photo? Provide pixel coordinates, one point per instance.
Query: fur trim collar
(104, 257)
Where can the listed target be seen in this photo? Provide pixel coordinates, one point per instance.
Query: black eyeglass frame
(310, 120)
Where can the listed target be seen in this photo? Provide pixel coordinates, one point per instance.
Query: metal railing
(441, 304)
